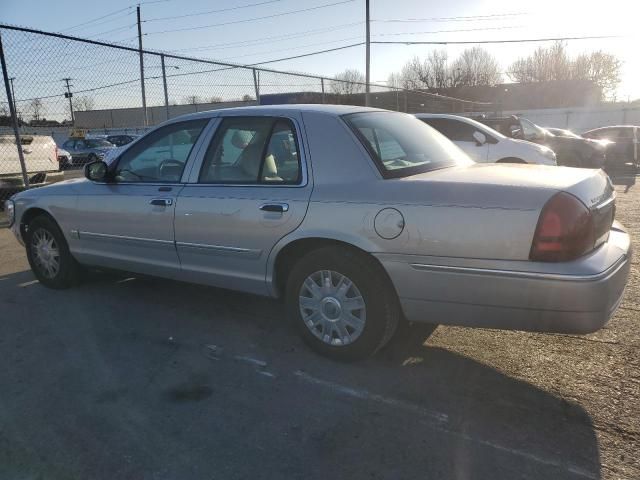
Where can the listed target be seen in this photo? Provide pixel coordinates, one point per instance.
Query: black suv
(570, 151)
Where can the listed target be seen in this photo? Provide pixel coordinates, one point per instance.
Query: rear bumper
(574, 297)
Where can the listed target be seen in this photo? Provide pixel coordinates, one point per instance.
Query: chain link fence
(72, 97)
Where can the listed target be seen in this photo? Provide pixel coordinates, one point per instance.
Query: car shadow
(134, 347)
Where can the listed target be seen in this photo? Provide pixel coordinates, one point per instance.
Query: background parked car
(622, 148)
(120, 140)
(40, 157)
(65, 160)
(562, 132)
(484, 144)
(86, 150)
(570, 152)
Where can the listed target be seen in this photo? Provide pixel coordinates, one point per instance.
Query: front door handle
(275, 207)
(162, 202)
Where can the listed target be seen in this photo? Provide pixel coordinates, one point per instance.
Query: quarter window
(162, 155)
(251, 150)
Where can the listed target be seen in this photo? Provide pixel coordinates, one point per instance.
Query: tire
(377, 318)
(92, 158)
(43, 231)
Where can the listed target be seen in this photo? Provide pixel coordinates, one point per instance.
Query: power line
(469, 18)
(293, 48)
(200, 27)
(113, 30)
(459, 30)
(271, 39)
(94, 20)
(525, 40)
(157, 19)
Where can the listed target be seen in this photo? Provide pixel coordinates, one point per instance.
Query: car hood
(507, 186)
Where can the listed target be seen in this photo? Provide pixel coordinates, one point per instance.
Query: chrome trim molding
(519, 274)
(221, 249)
(108, 236)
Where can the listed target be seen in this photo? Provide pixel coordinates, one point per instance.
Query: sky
(248, 39)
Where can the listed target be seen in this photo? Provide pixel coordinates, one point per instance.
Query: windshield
(565, 133)
(402, 145)
(97, 143)
(530, 129)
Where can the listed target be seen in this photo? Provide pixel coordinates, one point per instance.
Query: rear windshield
(97, 142)
(402, 145)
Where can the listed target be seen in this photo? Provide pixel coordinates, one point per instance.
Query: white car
(486, 145)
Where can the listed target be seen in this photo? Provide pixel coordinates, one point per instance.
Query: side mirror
(96, 171)
(480, 138)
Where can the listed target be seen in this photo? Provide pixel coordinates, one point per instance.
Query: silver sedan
(356, 217)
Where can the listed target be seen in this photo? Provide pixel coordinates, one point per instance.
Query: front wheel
(342, 303)
(48, 254)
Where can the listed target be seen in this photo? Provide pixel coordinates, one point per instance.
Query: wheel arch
(31, 213)
(510, 160)
(289, 250)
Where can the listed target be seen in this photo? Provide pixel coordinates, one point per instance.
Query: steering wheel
(170, 169)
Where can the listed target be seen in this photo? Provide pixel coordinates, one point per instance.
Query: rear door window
(252, 150)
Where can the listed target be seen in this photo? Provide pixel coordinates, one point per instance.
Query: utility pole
(144, 96)
(68, 94)
(368, 57)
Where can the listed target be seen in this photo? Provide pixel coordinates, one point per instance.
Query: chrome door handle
(275, 207)
(162, 202)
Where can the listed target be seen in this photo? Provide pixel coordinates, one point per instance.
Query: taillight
(565, 230)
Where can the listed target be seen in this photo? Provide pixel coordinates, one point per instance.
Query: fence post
(14, 117)
(164, 84)
(256, 84)
(405, 102)
(322, 86)
(144, 96)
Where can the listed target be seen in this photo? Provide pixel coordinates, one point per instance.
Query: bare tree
(394, 81)
(83, 103)
(37, 108)
(415, 74)
(475, 66)
(601, 68)
(192, 99)
(348, 82)
(215, 99)
(247, 98)
(553, 63)
(438, 62)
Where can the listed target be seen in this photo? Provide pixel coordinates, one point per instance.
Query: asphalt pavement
(141, 378)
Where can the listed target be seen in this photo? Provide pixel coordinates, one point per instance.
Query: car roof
(467, 120)
(611, 126)
(334, 110)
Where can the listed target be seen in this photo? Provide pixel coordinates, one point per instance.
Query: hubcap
(45, 253)
(332, 307)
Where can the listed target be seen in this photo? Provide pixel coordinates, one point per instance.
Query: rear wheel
(48, 254)
(342, 303)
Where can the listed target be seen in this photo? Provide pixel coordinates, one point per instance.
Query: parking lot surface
(139, 378)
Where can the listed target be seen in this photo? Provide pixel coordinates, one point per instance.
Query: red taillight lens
(564, 232)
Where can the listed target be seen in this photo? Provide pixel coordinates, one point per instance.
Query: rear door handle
(162, 202)
(275, 207)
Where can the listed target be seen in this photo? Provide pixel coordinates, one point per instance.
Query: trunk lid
(592, 187)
